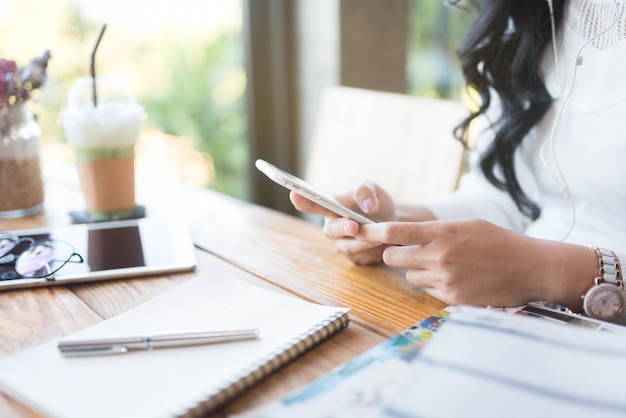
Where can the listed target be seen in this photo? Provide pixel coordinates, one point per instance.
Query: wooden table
(269, 248)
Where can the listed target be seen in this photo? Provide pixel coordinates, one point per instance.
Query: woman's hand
(368, 199)
(477, 263)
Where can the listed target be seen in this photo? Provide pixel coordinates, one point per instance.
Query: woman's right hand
(369, 199)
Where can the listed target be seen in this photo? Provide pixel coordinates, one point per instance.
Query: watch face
(604, 301)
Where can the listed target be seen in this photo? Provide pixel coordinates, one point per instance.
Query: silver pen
(104, 346)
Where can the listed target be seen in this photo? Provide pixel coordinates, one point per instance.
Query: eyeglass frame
(10, 257)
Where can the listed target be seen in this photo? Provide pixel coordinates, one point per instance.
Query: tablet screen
(108, 250)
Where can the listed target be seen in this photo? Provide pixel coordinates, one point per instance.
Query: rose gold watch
(605, 300)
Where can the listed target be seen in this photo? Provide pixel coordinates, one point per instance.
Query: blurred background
(226, 81)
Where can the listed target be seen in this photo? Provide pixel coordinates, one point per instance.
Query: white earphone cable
(557, 173)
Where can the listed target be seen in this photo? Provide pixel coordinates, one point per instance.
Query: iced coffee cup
(103, 131)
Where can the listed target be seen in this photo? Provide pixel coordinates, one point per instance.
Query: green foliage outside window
(435, 30)
(190, 80)
(202, 98)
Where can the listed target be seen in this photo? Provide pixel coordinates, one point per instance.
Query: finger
(398, 233)
(352, 248)
(363, 198)
(366, 258)
(366, 196)
(408, 257)
(358, 253)
(427, 282)
(305, 205)
(336, 228)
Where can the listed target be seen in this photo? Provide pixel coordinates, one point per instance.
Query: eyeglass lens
(9, 244)
(40, 259)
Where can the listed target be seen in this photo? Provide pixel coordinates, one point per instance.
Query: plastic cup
(104, 137)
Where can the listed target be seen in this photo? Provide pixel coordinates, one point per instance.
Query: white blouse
(583, 150)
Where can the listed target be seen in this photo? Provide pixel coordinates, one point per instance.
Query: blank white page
(161, 382)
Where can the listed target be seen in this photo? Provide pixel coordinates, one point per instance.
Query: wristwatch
(605, 300)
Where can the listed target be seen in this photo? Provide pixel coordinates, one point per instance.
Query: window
(435, 31)
(183, 59)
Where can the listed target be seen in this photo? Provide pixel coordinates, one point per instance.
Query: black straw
(92, 63)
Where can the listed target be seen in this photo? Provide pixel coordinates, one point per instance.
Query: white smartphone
(300, 186)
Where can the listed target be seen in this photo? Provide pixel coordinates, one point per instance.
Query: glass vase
(21, 185)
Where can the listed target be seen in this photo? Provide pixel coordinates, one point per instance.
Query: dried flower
(18, 83)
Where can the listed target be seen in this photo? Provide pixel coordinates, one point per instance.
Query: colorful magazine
(360, 387)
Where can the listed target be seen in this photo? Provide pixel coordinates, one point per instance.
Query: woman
(541, 214)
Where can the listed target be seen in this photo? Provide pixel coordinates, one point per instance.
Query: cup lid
(107, 89)
(110, 92)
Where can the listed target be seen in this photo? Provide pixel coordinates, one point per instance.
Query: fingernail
(367, 204)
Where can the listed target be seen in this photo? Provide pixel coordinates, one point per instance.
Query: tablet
(109, 250)
(300, 186)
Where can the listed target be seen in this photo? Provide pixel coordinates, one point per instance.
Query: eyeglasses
(37, 259)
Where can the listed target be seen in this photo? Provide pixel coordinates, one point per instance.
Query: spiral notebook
(182, 381)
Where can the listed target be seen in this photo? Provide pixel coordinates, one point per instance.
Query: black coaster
(85, 217)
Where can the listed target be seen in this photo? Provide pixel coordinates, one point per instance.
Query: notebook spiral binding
(260, 370)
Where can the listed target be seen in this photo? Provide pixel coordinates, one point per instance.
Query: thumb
(367, 196)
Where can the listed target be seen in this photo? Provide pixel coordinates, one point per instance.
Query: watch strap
(605, 299)
(609, 268)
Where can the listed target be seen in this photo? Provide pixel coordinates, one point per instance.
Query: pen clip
(93, 351)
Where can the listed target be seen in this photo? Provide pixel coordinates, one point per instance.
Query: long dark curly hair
(501, 53)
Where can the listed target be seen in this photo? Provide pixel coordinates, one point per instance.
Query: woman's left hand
(468, 261)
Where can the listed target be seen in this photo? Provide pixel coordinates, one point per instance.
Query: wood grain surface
(248, 242)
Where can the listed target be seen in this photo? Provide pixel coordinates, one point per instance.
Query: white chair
(404, 143)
